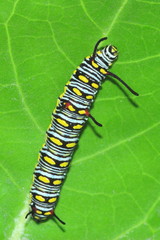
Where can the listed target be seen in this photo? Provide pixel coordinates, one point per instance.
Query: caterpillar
(68, 119)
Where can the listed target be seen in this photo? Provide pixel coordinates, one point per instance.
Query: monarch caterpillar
(69, 117)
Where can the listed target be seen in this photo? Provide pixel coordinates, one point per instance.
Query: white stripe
(42, 193)
(49, 153)
(53, 156)
(48, 174)
(89, 70)
(71, 119)
(82, 87)
(43, 209)
(56, 135)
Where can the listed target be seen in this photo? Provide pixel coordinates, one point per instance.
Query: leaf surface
(112, 189)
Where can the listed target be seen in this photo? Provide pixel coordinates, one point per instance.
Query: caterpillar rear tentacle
(52, 213)
(31, 212)
(59, 219)
(68, 118)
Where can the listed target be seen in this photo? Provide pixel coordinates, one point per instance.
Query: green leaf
(112, 190)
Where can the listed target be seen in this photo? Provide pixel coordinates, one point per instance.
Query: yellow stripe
(78, 126)
(50, 125)
(82, 78)
(51, 200)
(81, 111)
(94, 64)
(49, 160)
(47, 213)
(69, 145)
(56, 141)
(40, 198)
(39, 212)
(64, 164)
(95, 85)
(77, 91)
(62, 122)
(44, 179)
(71, 108)
(103, 71)
(68, 82)
(65, 89)
(61, 95)
(57, 182)
(89, 97)
(58, 102)
(113, 49)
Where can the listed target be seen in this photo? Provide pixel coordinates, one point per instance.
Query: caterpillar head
(106, 56)
(39, 215)
(111, 51)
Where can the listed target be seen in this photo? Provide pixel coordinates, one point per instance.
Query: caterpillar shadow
(133, 102)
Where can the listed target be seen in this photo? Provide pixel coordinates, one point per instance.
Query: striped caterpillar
(68, 119)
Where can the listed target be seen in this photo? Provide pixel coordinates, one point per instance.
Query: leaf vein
(139, 60)
(88, 15)
(117, 144)
(59, 47)
(17, 81)
(116, 16)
